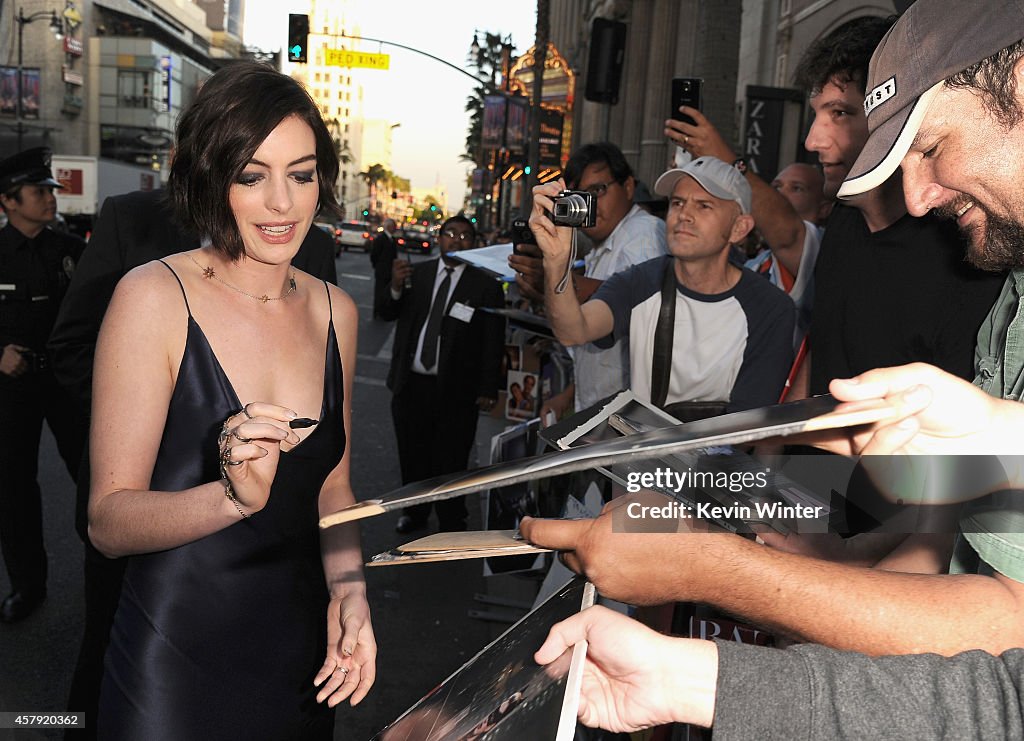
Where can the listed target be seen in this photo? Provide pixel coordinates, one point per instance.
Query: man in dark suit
(383, 252)
(444, 367)
(132, 229)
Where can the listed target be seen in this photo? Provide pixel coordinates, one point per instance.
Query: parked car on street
(355, 234)
(413, 240)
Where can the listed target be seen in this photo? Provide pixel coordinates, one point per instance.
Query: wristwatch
(741, 164)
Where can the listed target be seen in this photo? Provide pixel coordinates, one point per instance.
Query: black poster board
(502, 693)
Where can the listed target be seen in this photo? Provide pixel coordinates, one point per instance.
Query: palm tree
(486, 60)
(374, 174)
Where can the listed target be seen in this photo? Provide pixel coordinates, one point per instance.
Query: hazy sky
(427, 98)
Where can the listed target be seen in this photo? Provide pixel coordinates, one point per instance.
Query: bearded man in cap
(36, 264)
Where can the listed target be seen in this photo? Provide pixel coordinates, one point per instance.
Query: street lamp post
(492, 161)
(23, 20)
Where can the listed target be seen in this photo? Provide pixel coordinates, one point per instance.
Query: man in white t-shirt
(787, 213)
(624, 235)
(730, 331)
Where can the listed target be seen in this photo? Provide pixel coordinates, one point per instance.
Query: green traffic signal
(527, 170)
(298, 36)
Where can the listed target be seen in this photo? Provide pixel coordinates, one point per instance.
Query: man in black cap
(36, 264)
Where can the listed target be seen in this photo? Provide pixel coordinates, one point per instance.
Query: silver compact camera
(577, 208)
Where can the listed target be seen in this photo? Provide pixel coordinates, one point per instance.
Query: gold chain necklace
(209, 272)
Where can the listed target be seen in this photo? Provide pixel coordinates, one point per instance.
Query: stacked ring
(245, 411)
(239, 438)
(225, 458)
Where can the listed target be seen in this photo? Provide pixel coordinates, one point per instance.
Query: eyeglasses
(599, 189)
(461, 236)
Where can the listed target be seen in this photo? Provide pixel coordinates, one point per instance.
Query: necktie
(428, 355)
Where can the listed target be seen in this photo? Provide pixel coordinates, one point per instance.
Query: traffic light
(433, 207)
(527, 170)
(298, 36)
(366, 212)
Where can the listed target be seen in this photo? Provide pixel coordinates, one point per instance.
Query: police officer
(36, 264)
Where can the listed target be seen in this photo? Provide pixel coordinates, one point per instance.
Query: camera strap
(564, 282)
(661, 367)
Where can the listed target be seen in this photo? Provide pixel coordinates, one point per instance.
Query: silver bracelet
(230, 494)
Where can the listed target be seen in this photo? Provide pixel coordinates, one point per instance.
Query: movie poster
(8, 91)
(492, 134)
(517, 127)
(31, 79)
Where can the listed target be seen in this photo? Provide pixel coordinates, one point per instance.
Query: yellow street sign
(347, 58)
(72, 16)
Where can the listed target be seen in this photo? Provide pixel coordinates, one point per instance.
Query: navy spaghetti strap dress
(221, 638)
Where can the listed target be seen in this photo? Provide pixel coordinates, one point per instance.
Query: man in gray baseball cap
(715, 176)
(733, 335)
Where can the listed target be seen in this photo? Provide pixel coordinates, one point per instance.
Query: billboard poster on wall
(31, 80)
(517, 130)
(8, 91)
(550, 138)
(494, 121)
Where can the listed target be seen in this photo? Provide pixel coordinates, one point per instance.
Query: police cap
(30, 167)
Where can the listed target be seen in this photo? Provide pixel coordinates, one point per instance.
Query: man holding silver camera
(622, 235)
(36, 264)
(700, 328)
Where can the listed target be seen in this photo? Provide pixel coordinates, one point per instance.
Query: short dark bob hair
(235, 110)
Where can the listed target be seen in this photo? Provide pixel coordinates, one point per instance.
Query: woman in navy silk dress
(238, 618)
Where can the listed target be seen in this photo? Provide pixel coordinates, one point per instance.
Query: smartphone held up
(686, 91)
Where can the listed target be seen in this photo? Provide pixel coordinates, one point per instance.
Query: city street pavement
(420, 613)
